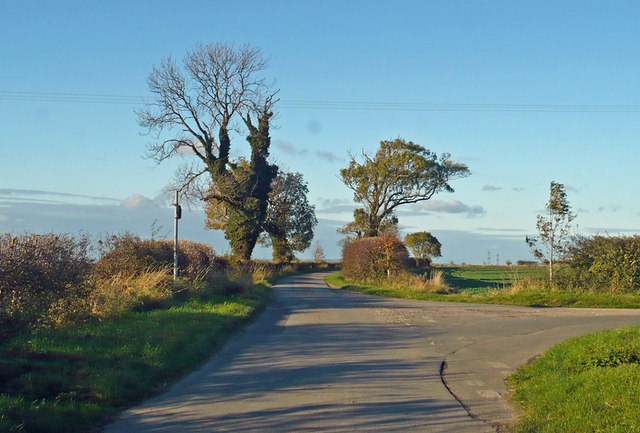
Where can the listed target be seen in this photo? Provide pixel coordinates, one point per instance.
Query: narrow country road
(320, 359)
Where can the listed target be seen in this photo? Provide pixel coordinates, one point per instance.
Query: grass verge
(70, 379)
(585, 384)
(530, 297)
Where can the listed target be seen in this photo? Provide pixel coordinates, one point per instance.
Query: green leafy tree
(553, 228)
(359, 227)
(401, 172)
(423, 245)
(195, 107)
(290, 219)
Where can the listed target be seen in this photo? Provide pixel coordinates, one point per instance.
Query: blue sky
(71, 166)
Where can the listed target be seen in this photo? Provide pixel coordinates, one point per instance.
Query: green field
(493, 285)
(481, 279)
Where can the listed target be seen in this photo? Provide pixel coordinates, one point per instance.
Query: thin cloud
(16, 193)
(337, 209)
(506, 230)
(29, 200)
(289, 148)
(334, 202)
(491, 188)
(329, 156)
(610, 208)
(517, 188)
(607, 230)
(450, 206)
(95, 219)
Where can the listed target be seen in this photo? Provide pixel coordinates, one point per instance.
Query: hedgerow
(369, 259)
(603, 264)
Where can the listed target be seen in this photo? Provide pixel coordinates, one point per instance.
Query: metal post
(176, 217)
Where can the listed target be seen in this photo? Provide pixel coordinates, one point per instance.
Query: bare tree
(218, 89)
(318, 252)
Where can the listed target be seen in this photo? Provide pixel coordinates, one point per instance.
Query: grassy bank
(585, 384)
(69, 379)
(83, 336)
(477, 285)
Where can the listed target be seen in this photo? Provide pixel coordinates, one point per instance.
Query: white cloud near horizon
(458, 245)
(138, 200)
(449, 206)
(491, 188)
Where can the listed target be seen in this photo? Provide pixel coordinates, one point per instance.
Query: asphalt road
(320, 359)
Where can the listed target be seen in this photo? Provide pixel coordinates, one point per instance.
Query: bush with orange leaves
(370, 259)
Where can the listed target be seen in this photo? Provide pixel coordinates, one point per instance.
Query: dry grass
(519, 284)
(121, 292)
(526, 284)
(429, 282)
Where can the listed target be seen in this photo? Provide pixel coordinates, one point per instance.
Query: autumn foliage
(127, 254)
(370, 259)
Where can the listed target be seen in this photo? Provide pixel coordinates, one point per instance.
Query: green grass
(585, 384)
(471, 292)
(69, 380)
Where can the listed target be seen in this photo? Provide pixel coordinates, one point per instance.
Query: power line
(94, 98)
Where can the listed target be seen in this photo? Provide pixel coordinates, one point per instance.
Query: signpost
(177, 216)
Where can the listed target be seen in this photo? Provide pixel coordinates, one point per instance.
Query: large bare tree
(218, 89)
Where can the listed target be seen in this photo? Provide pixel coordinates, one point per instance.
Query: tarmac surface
(320, 359)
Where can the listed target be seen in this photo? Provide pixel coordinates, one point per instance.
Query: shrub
(373, 258)
(127, 254)
(50, 279)
(604, 263)
(37, 271)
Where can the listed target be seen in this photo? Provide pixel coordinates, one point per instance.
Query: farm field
(481, 279)
(506, 285)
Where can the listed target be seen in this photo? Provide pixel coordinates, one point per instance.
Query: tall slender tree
(553, 227)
